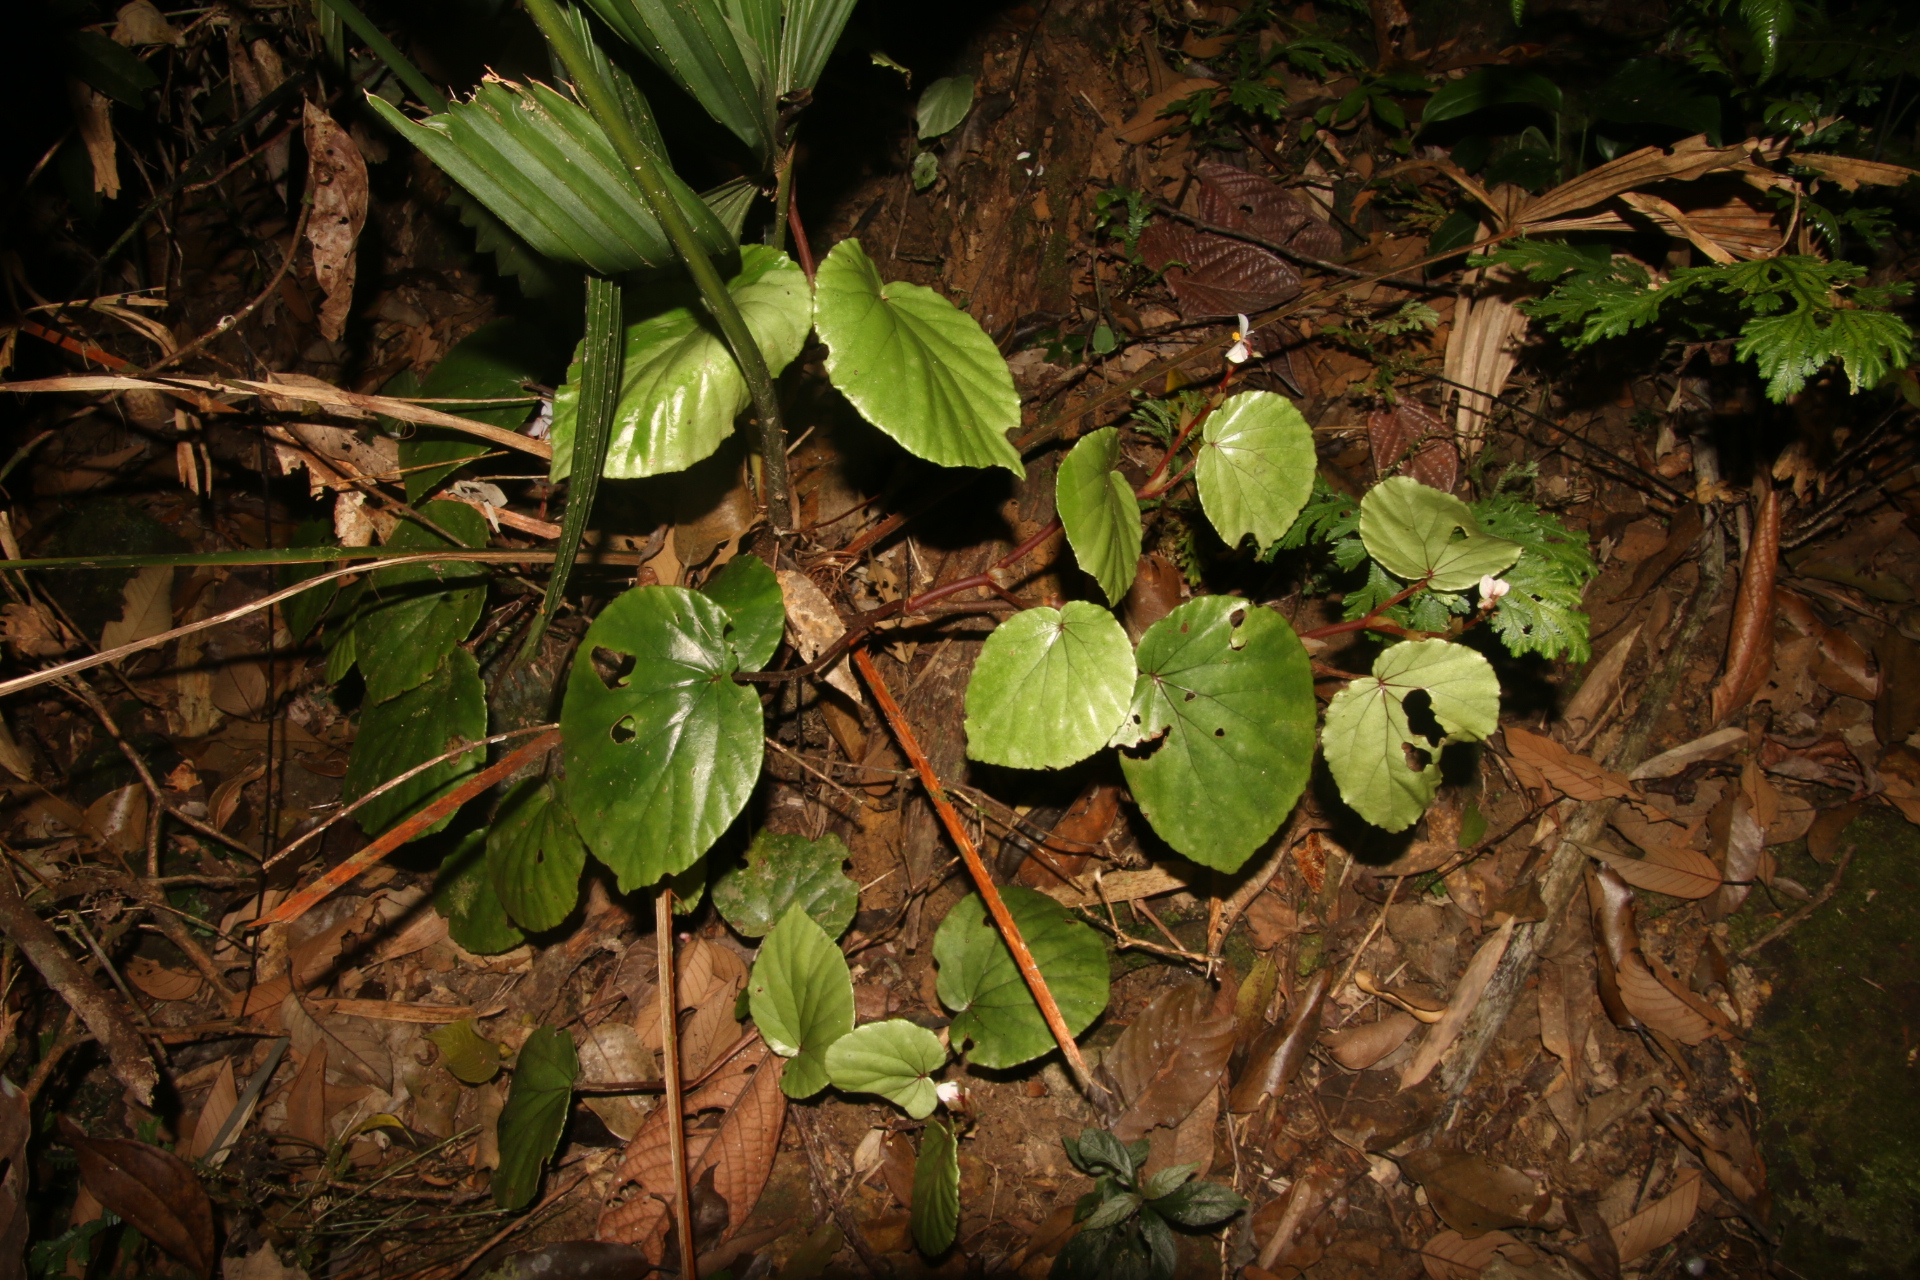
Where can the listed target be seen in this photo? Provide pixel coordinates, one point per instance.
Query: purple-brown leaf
(154, 1190)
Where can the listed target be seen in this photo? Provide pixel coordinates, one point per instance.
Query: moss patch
(1836, 1054)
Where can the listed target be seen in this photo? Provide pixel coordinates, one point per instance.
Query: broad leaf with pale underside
(1049, 687)
(660, 759)
(1100, 512)
(535, 1113)
(680, 388)
(1421, 534)
(936, 1190)
(1219, 739)
(428, 720)
(1255, 467)
(802, 999)
(534, 856)
(895, 1059)
(915, 365)
(1369, 743)
(993, 1007)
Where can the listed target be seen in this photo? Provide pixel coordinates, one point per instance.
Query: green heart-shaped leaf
(915, 365)
(1368, 741)
(464, 1052)
(535, 1113)
(750, 594)
(1420, 533)
(784, 871)
(1255, 467)
(1220, 735)
(680, 389)
(936, 1190)
(534, 856)
(462, 893)
(895, 1059)
(413, 615)
(428, 720)
(1049, 687)
(1100, 512)
(801, 995)
(662, 759)
(993, 1007)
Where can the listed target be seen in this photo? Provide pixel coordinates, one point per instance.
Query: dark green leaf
(993, 1007)
(534, 856)
(470, 1057)
(430, 719)
(750, 594)
(1200, 1204)
(662, 759)
(490, 363)
(936, 1190)
(1113, 1211)
(463, 894)
(535, 1114)
(413, 615)
(1101, 1150)
(302, 613)
(1163, 1181)
(111, 68)
(943, 105)
(1491, 87)
(715, 58)
(784, 870)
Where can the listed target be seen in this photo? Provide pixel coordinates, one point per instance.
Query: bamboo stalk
(989, 893)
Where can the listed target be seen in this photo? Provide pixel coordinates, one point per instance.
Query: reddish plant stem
(801, 249)
(1192, 426)
(670, 1062)
(996, 907)
(1372, 622)
(305, 900)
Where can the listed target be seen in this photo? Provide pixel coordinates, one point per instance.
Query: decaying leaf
(1169, 1058)
(1275, 1058)
(1576, 776)
(1465, 998)
(1630, 985)
(1660, 1222)
(1474, 1195)
(1451, 1256)
(156, 1191)
(337, 179)
(1357, 1048)
(1750, 640)
(1411, 439)
(813, 624)
(1671, 869)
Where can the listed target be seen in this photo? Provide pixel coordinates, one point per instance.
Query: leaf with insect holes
(750, 594)
(534, 856)
(1421, 534)
(915, 365)
(801, 995)
(413, 615)
(936, 1190)
(1255, 467)
(993, 1007)
(1100, 512)
(428, 720)
(895, 1059)
(1219, 740)
(1368, 739)
(535, 1113)
(785, 870)
(661, 759)
(1049, 687)
(680, 387)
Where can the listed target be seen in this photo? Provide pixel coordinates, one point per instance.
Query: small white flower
(1240, 351)
(1492, 588)
(948, 1091)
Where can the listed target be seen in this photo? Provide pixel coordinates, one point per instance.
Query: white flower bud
(1239, 352)
(1492, 588)
(948, 1091)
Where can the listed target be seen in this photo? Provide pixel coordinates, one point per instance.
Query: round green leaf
(1049, 687)
(661, 760)
(979, 981)
(915, 365)
(413, 615)
(1220, 735)
(1369, 744)
(943, 105)
(1420, 533)
(1101, 514)
(464, 1052)
(534, 856)
(680, 389)
(491, 362)
(895, 1059)
(463, 894)
(936, 1190)
(535, 1113)
(750, 594)
(427, 720)
(801, 996)
(1255, 468)
(784, 871)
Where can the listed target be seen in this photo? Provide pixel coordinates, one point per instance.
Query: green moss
(1835, 1054)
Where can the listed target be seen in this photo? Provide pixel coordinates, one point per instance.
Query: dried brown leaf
(1842, 663)
(1451, 1256)
(1277, 1055)
(1674, 870)
(337, 181)
(1214, 276)
(1629, 986)
(1576, 776)
(220, 1101)
(1686, 160)
(1600, 688)
(1713, 746)
(156, 1191)
(160, 982)
(1661, 1222)
(1850, 173)
(1472, 1194)
(1750, 640)
(1233, 197)
(1148, 123)
(813, 624)
(1155, 594)
(1466, 996)
(16, 1126)
(1357, 1048)
(146, 608)
(307, 1112)
(1169, 1058)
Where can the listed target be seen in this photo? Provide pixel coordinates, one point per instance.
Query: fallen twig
(1022, 957)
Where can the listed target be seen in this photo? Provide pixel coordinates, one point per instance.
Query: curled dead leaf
(1277, 1055)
